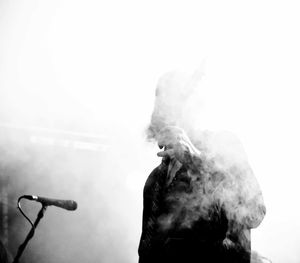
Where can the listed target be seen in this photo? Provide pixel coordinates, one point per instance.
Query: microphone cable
(23, 213)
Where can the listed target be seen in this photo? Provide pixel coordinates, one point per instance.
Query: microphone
(65, 204)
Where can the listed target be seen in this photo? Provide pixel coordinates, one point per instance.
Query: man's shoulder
(157, 173)
(156, 177)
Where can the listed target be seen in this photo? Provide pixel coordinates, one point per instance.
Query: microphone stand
(30, 234)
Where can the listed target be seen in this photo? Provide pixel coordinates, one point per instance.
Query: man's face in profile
(171, 96)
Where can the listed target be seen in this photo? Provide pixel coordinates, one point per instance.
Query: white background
(99, 61)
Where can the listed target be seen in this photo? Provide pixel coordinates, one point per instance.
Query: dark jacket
(168, 235)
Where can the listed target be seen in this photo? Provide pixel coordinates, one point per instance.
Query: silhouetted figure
(202, 200)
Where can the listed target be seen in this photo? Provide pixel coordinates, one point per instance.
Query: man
(200, 202)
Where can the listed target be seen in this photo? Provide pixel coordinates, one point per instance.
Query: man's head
(171, 96)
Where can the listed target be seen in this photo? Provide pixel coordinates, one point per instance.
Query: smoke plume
(225, 176)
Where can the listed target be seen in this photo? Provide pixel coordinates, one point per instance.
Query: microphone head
(71, 205)
(65, 204)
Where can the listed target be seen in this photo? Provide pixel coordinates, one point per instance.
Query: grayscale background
(77, 86)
